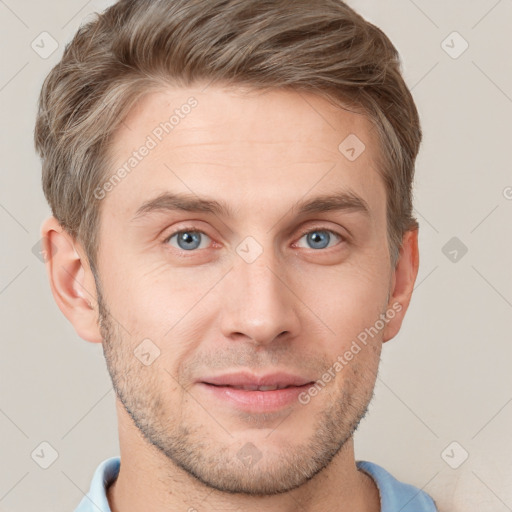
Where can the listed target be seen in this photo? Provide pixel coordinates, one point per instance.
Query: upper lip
(279, 379)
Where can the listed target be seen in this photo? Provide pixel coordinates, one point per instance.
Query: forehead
(244, 147)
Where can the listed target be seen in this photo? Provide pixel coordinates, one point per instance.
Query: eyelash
(188, 229)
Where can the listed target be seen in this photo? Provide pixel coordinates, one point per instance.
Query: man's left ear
(403, 279)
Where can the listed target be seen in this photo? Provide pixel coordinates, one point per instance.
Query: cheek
(347, 298)
(160, 304)
(147, 293)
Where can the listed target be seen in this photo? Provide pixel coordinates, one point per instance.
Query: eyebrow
(340, 201)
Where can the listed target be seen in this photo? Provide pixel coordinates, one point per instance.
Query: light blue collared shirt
(395, 496)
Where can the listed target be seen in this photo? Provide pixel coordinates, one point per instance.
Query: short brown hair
(139, 46)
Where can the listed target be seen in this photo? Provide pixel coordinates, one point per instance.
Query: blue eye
(320, 238)
(188, 239)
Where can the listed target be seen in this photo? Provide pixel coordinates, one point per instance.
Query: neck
(148, 480)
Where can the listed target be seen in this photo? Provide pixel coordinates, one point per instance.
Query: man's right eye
(187, 239)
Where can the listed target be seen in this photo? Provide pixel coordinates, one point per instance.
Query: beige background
(446, 377)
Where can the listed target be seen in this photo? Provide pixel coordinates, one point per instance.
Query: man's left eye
(320, 238)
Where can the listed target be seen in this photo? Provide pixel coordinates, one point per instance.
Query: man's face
(259, 289)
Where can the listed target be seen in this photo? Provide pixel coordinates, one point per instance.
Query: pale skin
(295, 308)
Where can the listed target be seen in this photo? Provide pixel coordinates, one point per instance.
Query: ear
(71, 280)
(402, 283)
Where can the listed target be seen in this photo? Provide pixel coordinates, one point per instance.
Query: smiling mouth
(257, 388)
(256, 394)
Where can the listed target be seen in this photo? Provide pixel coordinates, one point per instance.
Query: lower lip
(256, 401)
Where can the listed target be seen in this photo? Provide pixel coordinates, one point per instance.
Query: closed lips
(251, 382)
(253, 387)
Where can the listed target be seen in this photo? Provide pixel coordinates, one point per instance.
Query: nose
(259, 302)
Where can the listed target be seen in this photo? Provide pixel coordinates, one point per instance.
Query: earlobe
(402, 285)
(71, 280)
